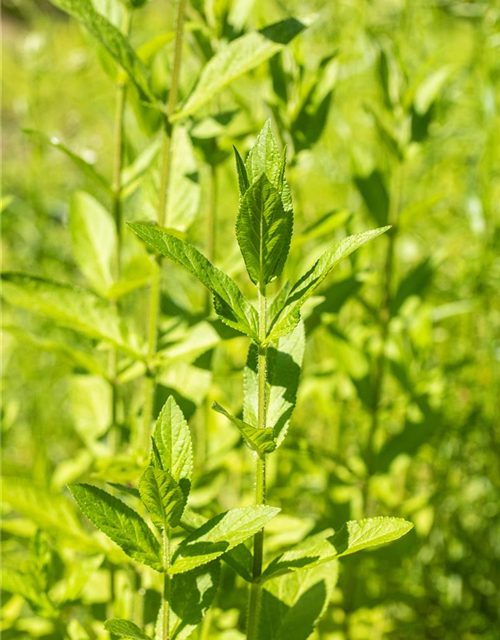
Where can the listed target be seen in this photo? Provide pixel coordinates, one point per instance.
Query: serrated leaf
(125, 629)
(173, 445)
(85, 167)
(93, 236)
(259, 440)
(264, 231)
(264, 157)
(191, 595)
(289, 315)
(73, 307)
(239, 558)
(120, 523)
(243, 182)
(237, 58)
(284, 363)
(162, 496)
(354, 536)
(293, 604)
(219, 535)
(228, 299)
(112, 39)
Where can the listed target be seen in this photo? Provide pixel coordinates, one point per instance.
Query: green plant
(264, 231)
(389, 416)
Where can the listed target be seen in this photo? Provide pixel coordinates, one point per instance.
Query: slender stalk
(116, 187)
(165, 609)
(211, 223)
(165, 173)
(260, 475)
(385, 319)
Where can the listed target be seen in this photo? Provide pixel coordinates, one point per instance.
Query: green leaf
(219, 535)
(264, 157)
(229, 302)
(239, 558)
(429, 89)
(375, 195)
(52, 513)
(354, 536)
(293, 604)
(85, 167)
(93, 235)
(289, 315)
(112, 39)
(191, 595)
(162, 496)
(284, 363)
(259, 440)
(243, 182)
(27, 586)
(125, 629)
(69, 306)
(120, 523)
(237, 58)
(172, 442)
(264, 231)
(61, 346)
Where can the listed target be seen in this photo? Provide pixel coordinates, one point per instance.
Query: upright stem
(165, 173)
(165, 609)
(211, 223)
(385, 318)
(116, 187)
(260, 475)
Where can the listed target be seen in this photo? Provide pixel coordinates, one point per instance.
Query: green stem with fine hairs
(255, 596)
(165, 605)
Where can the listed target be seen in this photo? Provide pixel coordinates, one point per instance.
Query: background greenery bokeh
(437, 446)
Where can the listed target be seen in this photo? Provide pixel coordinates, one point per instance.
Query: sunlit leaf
(219, 535)
(237, 58)
(120, 523)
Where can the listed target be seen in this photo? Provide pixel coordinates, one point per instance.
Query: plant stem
(116, 187)
(165, 173)
(385, 319)
(165, 608)
(260, 474)
(211, 224)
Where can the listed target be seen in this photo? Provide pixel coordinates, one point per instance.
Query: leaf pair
(164, 488)
(264, 231)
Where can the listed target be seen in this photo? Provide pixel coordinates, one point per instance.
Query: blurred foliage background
(391, 111)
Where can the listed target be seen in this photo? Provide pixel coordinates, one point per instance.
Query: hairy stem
(165, 608)
(385, 319)
(165, 173)
(260, 475)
